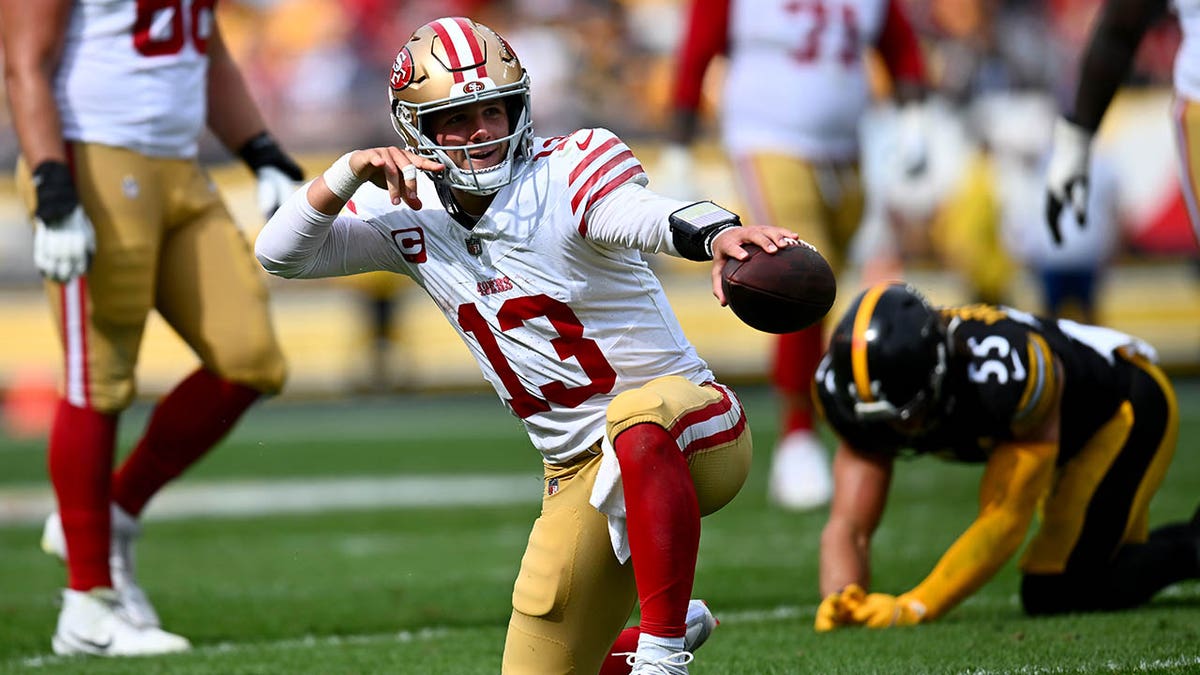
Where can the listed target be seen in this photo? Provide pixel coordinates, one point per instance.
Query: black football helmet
(888, 356)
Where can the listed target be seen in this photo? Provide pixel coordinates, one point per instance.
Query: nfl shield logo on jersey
(551, 486)
(474, 246)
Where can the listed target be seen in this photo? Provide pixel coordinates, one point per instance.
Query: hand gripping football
(783, 292)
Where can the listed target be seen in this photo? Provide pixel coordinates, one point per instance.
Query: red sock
(797, 356)
(626, 642)
(663, 519)
(185, 425)
(80, 462)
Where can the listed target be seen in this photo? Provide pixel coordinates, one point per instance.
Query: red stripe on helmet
(468, 30)
(451, 51)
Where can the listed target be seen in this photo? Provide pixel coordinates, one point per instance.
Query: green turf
(427, 591)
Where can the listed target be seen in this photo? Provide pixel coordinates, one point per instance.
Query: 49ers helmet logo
(473, 87)
(402, 69)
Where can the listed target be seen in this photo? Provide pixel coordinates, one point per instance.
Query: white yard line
(1153, 666)
(777, 614)
(260, 497)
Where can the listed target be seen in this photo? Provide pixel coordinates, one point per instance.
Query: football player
(1071, 419)
(109, 100)
(795, 89)
(1105, 64)
(533, 249)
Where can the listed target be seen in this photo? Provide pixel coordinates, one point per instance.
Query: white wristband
(340, 180)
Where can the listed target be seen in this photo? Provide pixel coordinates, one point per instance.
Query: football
(780, 293)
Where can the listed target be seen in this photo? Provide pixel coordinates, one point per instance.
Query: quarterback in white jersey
(532, 248)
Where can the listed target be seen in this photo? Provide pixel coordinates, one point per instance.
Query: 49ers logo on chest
(402, 69)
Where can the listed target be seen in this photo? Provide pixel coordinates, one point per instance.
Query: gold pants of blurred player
(164, 241)
(821, 201)
(572, 598)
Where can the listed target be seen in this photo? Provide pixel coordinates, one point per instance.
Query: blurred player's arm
(705, 36)
(1109, 54)
(34, 34)
(235, 119)
(1103, 68)
(900, 51)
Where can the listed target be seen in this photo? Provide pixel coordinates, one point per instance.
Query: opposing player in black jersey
(1075, 418)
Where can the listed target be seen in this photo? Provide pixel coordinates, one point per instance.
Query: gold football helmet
(450, 62)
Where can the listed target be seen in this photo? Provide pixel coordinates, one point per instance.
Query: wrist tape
(340, 179)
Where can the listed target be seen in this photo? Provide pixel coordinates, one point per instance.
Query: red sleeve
(706, 34)
(899, 48)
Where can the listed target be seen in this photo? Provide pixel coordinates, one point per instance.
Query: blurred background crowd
(972, 223)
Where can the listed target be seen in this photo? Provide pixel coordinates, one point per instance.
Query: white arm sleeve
(634, 217)
(300, 242)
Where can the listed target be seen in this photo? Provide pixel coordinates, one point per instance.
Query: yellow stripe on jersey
(988, 314)
(1041, 387)
(858, 341)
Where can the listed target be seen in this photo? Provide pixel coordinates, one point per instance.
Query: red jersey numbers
(828, 30)
(160, 28)
(411, 242)
(570, 344)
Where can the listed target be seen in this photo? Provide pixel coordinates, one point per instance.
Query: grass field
(426, 590)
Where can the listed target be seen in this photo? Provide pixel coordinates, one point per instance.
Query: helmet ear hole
(515, 106)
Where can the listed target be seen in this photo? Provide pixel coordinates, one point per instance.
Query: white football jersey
(560, 317)
(133, 74)
(1187, 59)
(796, 80)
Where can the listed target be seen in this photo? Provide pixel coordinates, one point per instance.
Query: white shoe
(700, 625)
(800, 476)
(672, 664)
(94, 622)
(125, 530)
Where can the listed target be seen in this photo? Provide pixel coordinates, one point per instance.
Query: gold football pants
(164, 241)
(821, 201)
(572, 598)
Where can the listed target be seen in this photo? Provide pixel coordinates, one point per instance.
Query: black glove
(262, 151)
(56, 195)
(276, 172)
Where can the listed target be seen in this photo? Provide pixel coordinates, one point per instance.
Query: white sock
(652, 648)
